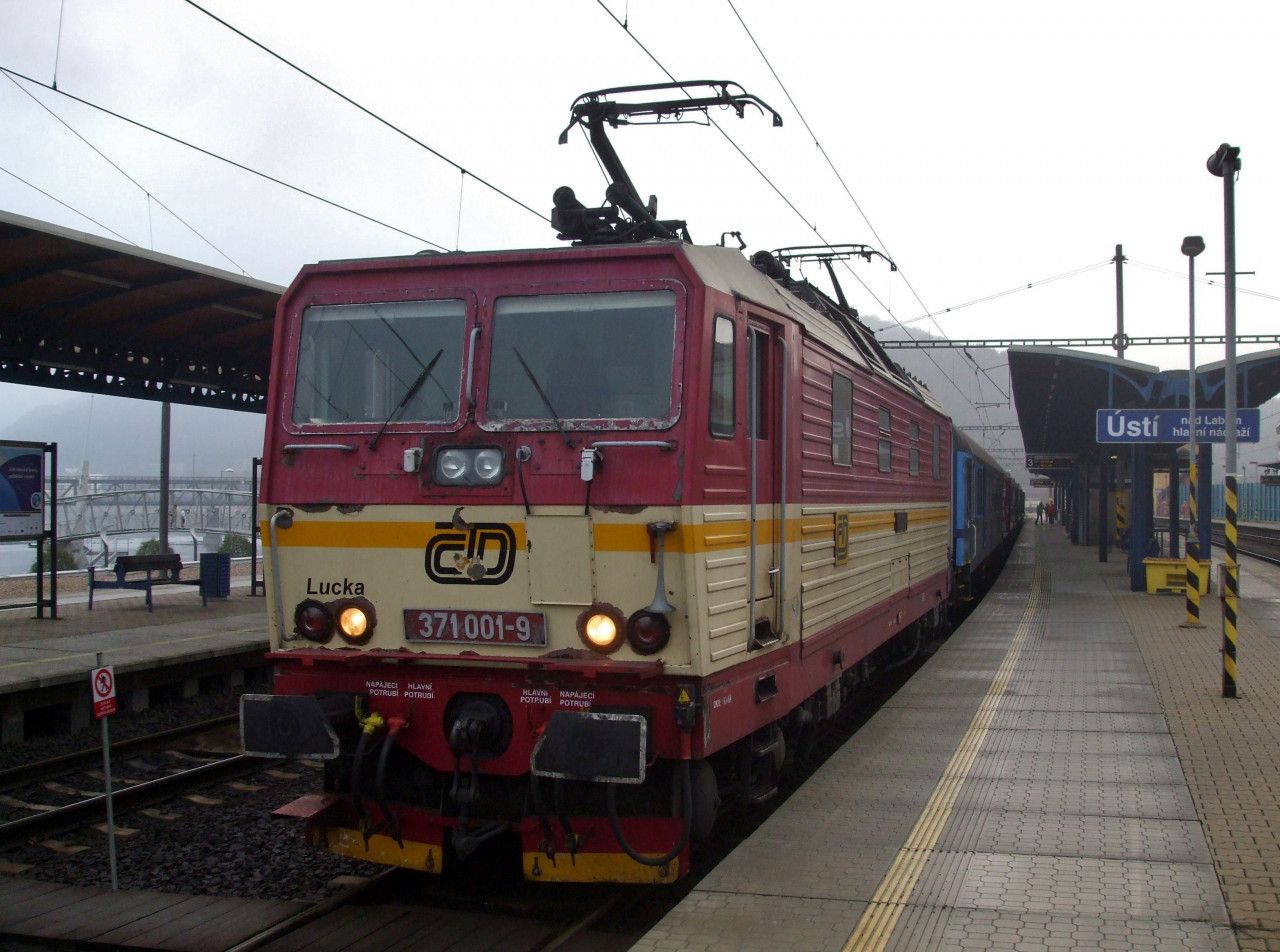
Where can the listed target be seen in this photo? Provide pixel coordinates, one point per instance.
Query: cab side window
(722, 377)
(841, 420)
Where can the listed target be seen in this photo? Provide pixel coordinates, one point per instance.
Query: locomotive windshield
(582, 358)
(357, 362)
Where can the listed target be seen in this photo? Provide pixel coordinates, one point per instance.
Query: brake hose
(686, 802)
(390, 821)
(368, 726)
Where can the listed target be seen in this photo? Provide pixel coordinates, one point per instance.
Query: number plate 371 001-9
(453, 626)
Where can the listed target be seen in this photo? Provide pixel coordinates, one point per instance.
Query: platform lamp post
(1192, 245)
(1225, 163)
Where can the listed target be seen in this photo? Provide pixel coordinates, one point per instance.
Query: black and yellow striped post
(1193, 554)
(1122, 518)
(1230, 593)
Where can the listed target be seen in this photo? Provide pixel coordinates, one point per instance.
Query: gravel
(232, 847)
(125, 725)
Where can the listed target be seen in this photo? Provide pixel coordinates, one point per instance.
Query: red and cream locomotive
(566, 545)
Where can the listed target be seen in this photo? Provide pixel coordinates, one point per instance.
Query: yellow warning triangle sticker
(683, 696)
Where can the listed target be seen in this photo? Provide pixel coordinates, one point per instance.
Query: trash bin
(215, 575)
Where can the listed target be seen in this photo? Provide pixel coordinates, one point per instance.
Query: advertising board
(21, 490)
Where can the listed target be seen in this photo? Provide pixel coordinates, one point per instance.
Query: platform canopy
(79, 312)
(1057, 392)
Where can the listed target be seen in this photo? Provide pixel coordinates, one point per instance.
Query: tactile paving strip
(1077, 886)
(1095, 742)
(1100, 768)
(1089, 798)
(979, 930)
(1060, 834)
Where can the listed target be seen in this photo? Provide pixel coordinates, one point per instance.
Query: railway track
(1259, 542)
(50, 822)
(27, 774)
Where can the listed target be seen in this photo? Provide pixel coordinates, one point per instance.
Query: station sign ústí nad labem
(1173, 426)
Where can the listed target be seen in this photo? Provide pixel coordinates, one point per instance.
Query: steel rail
(129, 798)
(1257, 543)
(91, 759)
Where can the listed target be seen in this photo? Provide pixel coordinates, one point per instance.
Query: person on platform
(1052, 510)
(1039, 512)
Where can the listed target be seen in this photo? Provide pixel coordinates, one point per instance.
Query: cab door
(767, 438)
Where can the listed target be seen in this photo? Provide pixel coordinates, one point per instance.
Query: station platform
(1062, 774)
(47, 661)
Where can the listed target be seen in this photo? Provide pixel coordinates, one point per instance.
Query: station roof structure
(1057, 392)
(79, 312)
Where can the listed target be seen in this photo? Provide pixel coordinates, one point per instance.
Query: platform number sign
(103, 683)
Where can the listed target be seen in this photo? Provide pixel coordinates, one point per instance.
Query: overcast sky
(989, 144)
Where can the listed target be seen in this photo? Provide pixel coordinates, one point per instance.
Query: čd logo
(482, 554)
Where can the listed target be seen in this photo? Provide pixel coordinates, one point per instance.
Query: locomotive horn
(658, 531)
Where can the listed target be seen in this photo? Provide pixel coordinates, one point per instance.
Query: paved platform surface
(1062, 774)
(73, 917)
(37, 653)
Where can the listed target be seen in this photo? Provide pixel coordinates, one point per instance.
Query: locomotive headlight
(469, 466)
(356, 619)
(451, 466)
(353, 621)
(600, 628)
(488, 465)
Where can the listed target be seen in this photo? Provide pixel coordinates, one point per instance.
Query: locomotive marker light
(648, 632)
(311, 620)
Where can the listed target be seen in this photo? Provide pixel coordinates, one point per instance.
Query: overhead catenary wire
(778, 191)
(1182, 276)
(221, 158)
(70, 208)
(145, 191)
(366, 110)
(1014, 290)
(849, 192)
(827, 158)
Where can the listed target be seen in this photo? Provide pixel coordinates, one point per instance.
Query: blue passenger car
(986, 511)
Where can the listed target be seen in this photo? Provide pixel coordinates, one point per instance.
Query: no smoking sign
(102, 681)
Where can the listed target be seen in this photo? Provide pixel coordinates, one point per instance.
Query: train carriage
(986, 514)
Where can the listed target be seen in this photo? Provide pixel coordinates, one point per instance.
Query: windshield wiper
(545, 399)
(408, 395)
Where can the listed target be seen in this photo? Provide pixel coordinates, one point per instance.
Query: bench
(158, 569)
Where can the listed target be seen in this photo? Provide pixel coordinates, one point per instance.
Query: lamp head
(1224, 161)
(1192, 245)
